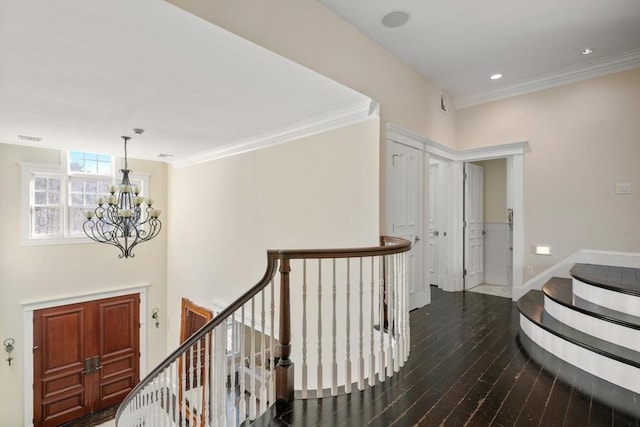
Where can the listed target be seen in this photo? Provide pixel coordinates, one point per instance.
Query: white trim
(585, 256)
(611, 370)
(625, 303)
(336, 119)
(594, 326)
(30, 306)
(514, 152)
(613, 64)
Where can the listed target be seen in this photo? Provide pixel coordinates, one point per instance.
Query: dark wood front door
(86, 357)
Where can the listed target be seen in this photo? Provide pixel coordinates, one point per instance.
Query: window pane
(77, 186)
(77, 219)
(90, 200)
(40, 183)
(91, 163)
(103, 187)
(54, 199)
(47, 221)
(77, 199)
(104, 168)
(90, 186)
(53, 184)
(40, 198)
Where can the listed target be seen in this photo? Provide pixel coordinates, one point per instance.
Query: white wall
(584, 138)
(312, 35)
(37, 273)
(318, 192)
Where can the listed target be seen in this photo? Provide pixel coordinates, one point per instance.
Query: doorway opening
(488, 254)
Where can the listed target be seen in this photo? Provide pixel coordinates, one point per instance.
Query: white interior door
(433, 224)
(474, 225)
(405, 214)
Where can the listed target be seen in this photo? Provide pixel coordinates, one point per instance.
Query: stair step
(617, 279)
(610, 362)
(561, 291)
(531, 306)
(616, 288)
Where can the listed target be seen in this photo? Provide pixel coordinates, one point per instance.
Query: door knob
(96, 363)
(417, 239)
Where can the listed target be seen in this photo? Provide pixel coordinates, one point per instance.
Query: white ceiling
(81, 74)
(535, 44)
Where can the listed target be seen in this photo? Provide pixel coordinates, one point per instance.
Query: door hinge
(464, 175)
(393, 159)
(464, 272)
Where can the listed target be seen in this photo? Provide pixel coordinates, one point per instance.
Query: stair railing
(351, 328)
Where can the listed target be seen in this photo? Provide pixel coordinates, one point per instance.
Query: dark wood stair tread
(618, 279)
(561, 291)
(531, 305)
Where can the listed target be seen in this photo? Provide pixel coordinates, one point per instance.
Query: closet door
(86, 357)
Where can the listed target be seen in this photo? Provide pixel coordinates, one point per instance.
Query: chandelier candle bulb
(150, 202)
(138, 200)
(136, 190)
(125, 189)
(112, 189)
(100, 201)
(88, 214)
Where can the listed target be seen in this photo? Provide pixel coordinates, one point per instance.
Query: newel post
(284, 370)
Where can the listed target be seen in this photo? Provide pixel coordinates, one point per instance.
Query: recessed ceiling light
(496, 76)
(395, 19)
(588, 50)
(163, 155)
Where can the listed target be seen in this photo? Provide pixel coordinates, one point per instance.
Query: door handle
(87, 366)
(435, 233)
(96, 363)
(417, 239)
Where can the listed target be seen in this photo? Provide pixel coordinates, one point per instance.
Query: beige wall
(312, 35)
(321, 191)
(584, 138)
(37, 273)
(495, 190)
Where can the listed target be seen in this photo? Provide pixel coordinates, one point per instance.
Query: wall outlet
(529, 271)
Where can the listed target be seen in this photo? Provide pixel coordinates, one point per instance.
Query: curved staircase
(587, 330)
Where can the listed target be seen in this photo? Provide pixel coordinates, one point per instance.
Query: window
(56, 199)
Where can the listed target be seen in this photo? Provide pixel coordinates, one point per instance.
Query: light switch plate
(623, 188)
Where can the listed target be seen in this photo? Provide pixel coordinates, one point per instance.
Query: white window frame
(29, 170)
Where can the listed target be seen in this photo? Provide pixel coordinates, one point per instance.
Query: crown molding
(323, 123)
(612, 64)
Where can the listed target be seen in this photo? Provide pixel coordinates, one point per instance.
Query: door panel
(86, 357)
(60, 388)
(474, 220)
(118, 348)
(406, 182)
(433, 223)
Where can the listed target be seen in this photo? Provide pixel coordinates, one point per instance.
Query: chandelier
(124, 218)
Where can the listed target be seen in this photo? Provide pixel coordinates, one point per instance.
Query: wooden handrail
(284, 370)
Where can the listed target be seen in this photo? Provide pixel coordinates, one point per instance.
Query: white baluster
(183, 406)
(319, 384)
(390, 314)
(360, 331)
(304, 329)
(272, 346)
(372, 357)
(206, 380)
(334, 362)
(219, 379)
(263, 359)
(232, 372)
(347, 371)
(242, 400)
(252, 362)
(381, 302)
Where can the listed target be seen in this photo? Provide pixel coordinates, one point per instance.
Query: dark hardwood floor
(466, 368)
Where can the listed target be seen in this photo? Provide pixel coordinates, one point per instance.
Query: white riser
(611, 332)
(618, 301)
(611, 370)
